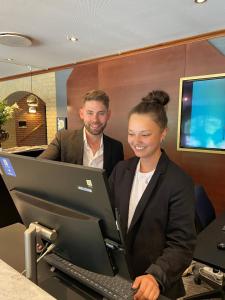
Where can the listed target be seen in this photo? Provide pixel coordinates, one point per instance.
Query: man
(88, 146)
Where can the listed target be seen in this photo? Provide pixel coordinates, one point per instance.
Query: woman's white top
(140, 183)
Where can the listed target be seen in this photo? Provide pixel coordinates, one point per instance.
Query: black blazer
(161, 237)
(68, 146)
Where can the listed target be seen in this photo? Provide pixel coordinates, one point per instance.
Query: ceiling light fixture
(32, 100)
(72, 38)
(12, 39)
(200, 1)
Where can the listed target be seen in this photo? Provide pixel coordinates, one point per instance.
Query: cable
(49, 249)
(23, 272)
(41, 250)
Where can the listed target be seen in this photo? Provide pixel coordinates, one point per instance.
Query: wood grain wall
(128, 78)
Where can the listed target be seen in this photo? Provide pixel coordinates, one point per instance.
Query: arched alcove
(26, 128)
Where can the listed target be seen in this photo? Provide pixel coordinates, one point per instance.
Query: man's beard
(95, 131)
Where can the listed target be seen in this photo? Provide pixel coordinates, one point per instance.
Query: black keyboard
(111, 287)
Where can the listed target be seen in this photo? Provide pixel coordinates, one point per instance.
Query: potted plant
(6, 113)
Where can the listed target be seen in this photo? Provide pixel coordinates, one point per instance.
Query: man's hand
(147, 288)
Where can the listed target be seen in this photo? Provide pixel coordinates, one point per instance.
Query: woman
(155, 200)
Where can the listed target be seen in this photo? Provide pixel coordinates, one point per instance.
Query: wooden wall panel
(203, 58)
(207, 169)
(130, 78)
(127, 79)
(81, 80)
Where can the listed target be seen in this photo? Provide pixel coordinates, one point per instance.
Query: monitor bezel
(179, 124)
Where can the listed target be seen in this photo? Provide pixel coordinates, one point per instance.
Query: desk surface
(206, 250)
(13, 284)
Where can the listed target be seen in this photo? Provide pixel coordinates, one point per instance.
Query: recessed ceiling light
(12, 39)
(72, 38)
(200, 1)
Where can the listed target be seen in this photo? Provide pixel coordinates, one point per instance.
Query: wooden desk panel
(206, 250)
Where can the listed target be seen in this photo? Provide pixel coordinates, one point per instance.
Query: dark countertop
(25, 149)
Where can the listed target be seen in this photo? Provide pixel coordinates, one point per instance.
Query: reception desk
(32, 151)
(61, 288)
(12, 253)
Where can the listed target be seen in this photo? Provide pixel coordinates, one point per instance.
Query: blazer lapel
(126, 190)
(106, 153)
(78, 147)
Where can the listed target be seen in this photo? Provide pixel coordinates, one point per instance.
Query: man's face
(95, 116)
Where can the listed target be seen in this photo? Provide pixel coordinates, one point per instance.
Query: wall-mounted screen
(201, 121)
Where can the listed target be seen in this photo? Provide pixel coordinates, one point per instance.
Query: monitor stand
(34, 233)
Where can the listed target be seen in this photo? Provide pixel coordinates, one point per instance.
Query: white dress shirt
(90, 159)
(140, 183)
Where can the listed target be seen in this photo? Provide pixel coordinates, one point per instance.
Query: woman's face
(144, 135)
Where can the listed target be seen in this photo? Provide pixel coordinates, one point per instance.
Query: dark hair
(97, 95)
(153, 104)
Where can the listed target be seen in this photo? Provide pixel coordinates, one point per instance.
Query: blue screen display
(203, 114)
(7, 166)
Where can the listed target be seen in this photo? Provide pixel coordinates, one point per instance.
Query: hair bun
(159, 97)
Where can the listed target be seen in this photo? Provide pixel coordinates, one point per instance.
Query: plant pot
(4, 135)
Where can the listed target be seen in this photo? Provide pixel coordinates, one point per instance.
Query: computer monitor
(201, 121)
(72, 199)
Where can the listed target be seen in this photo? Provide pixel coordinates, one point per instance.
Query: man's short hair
(97, 95)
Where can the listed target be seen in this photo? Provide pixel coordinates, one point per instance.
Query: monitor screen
(201, 122)
(73, 200)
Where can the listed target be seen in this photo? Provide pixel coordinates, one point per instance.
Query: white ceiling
(103, 27)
